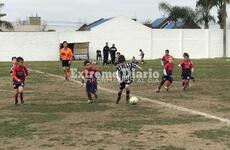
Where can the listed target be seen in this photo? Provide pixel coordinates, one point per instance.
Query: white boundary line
(164, 104)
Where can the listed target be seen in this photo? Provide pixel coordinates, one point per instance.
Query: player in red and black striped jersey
(165, 58)
(187, 68)
(90, 74)
(19, 74)
(167, 79)
(13, 62)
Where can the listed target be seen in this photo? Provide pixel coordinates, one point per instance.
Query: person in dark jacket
(105, 54)
(113, 51)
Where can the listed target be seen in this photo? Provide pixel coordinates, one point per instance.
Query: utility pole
(225, 30)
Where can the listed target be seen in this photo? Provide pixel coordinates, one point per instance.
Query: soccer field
(56, 114)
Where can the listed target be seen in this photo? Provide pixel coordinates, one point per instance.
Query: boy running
(167, 79)
(165, 58)
(142, 56)
(13, 63)
(66, 56)
(90, 74)
(187, 69)
(19, 74)
(124, 76)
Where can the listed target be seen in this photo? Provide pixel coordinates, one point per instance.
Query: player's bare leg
(16, 96)
(160, 86)
(89, 97)
(68, 73)
(119, 96)
(167, 85)
(65, 73)
(186, 84)
(20, 91)
(95, 95)
(127, 93)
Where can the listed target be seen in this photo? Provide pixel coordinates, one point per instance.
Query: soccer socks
(68, 74)
(21, 98)
(127, 96)
(16, 99)
(118, 97)
(161, 84)
(65, 74)
(95, 95)
(185, 85)
(89, 96)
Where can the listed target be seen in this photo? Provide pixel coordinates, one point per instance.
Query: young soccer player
(19, 74)
(13, 63)
(90, 74)
(186, 66)
(124, 76)
(165, 58)
(134, 60)
(167, 79)
(66, 56)
(142, 56)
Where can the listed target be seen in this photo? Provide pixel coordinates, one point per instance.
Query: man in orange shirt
(66, 56)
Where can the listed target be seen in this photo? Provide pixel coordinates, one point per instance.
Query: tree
(221, 10)
(203, 8)
(6, 25)
(185, 14)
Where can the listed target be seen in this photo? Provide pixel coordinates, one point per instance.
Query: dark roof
(167, 23)
(158, 22)
(97, 23)
(94, 24)
(173, 24)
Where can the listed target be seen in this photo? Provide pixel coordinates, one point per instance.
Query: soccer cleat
(96, 96)
(118, 100)
(157, 91)
(184, 88)
(16, 103)
(166, 88)
(90, 101)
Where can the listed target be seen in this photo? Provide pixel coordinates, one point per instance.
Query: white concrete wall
(228, 43)
(198, 43)
(128, 36)
(33, 46)
(166, 39)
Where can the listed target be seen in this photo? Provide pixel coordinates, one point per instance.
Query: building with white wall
(128, 35)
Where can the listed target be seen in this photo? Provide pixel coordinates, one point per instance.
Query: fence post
(208, 42)
(181, 42)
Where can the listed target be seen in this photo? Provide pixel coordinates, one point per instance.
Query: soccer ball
(133, 100)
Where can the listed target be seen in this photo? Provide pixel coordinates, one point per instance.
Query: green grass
(55, 108)
(218, 135)
(17, 126)
(135, 125)
(170, 147)
(49, 97)
(204, 68)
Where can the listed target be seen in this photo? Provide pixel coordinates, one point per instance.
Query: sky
(87, 10)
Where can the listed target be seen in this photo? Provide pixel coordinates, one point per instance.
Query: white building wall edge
(44, 46)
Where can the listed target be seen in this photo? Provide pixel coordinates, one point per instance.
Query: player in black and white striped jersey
(124, 76)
